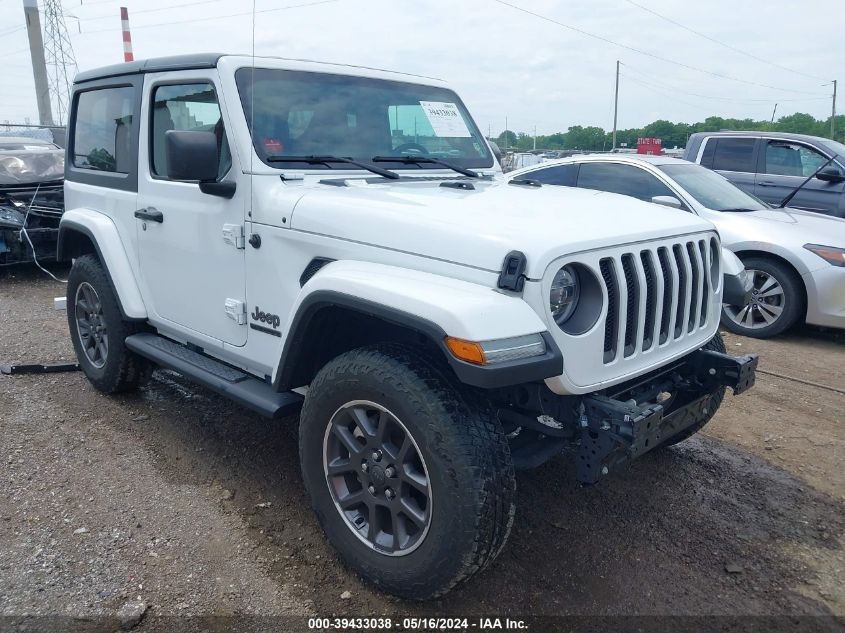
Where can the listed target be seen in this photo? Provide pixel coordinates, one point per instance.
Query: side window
(734, 154)
(625, 179)
(707, 154)
(102, 131)
(564, 175)
(792, 159)
(186, 107)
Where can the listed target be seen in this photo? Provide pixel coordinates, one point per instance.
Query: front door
(785, 165)
(192, 261)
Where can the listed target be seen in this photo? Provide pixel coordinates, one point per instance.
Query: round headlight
(564, 294)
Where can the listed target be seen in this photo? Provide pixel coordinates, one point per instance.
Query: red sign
(647, 145)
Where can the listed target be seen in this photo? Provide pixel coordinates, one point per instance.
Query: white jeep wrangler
(339, 240)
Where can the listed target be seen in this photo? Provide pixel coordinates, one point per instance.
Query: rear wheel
(98, 330)
(777, 300)
(408, 472)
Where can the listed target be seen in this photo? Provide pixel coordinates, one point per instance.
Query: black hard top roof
(156, 64)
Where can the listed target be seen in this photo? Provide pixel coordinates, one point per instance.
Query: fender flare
(360, 287)
(103, 234)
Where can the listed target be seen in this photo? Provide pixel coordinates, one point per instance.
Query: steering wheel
(411, 147)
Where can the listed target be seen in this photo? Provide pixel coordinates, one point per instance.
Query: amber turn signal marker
(466, 350)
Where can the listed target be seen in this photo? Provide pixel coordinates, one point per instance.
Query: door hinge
(234, 234)
(236, 310)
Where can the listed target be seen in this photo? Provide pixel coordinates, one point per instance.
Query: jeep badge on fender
(265, 317)
(421, 372)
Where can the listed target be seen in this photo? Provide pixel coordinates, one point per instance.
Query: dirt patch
(196, 506)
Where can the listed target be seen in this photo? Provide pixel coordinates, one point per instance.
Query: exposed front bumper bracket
(614, 431)
(716, 368)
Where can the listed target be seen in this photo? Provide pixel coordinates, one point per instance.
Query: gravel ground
(173, 501)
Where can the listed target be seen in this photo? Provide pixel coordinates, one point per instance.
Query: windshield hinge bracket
(235, 310)
(512, 276)
(234, 234)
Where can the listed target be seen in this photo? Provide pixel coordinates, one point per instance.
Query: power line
(720, 43)
(214, 17)
(658, 83)
(646, 53)
(668, 95)
(13, 29)
(110, 16)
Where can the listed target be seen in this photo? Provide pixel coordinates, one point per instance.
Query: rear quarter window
(733, 154)
(103, 130)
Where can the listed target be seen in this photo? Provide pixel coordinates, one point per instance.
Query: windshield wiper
(793, 193)
(416, 160)
(328, 160)
(739, 210)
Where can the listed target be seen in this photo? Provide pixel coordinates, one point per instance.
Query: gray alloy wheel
(91, 325)
(766, 306)
(377, 478)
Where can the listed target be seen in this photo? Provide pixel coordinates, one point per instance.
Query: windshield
(837, 148)
(712, 190)
(315, 114)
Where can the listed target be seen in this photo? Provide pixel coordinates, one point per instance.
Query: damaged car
(31, 199)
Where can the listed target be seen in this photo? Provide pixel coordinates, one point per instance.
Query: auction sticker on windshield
(445, 119)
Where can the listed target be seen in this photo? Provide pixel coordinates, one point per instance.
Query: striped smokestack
(127, 36)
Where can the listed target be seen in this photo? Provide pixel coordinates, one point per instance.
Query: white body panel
(186, 270)
(119, 254)
(584, 368)
(462, 309)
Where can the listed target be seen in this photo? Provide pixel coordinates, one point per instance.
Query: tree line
(593, 138)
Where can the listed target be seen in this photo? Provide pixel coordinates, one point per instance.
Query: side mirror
(496, 151)
(830, 174)
(668, 201)
(191, 155)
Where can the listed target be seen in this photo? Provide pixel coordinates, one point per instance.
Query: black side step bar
(228, 381)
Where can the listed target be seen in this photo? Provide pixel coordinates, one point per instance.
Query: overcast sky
(504, 62)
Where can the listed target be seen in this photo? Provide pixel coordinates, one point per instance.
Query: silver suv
(770, 165)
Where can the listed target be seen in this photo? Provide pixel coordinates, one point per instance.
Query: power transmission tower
(61, 62)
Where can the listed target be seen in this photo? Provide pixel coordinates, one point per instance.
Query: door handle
(767, 183)
(150, 214)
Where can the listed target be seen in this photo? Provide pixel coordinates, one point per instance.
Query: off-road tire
(715, 344)
(467, 456)
(794, 299)
(123, 370)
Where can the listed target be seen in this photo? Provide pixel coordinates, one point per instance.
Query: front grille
(611, 324)
(647, 305)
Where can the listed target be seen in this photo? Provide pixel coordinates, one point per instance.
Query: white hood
(479, 227)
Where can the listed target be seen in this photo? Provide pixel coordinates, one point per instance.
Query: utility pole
(535, 137)
(833, 113)
(39, 65)
(506, 132)
(615, 107)
(773, 113)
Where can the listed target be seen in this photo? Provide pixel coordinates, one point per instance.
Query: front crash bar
(615, 431)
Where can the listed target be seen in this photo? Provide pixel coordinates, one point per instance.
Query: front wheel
(409, 473)
(777, 300)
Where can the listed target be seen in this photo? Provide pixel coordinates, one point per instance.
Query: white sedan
(797, 258)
